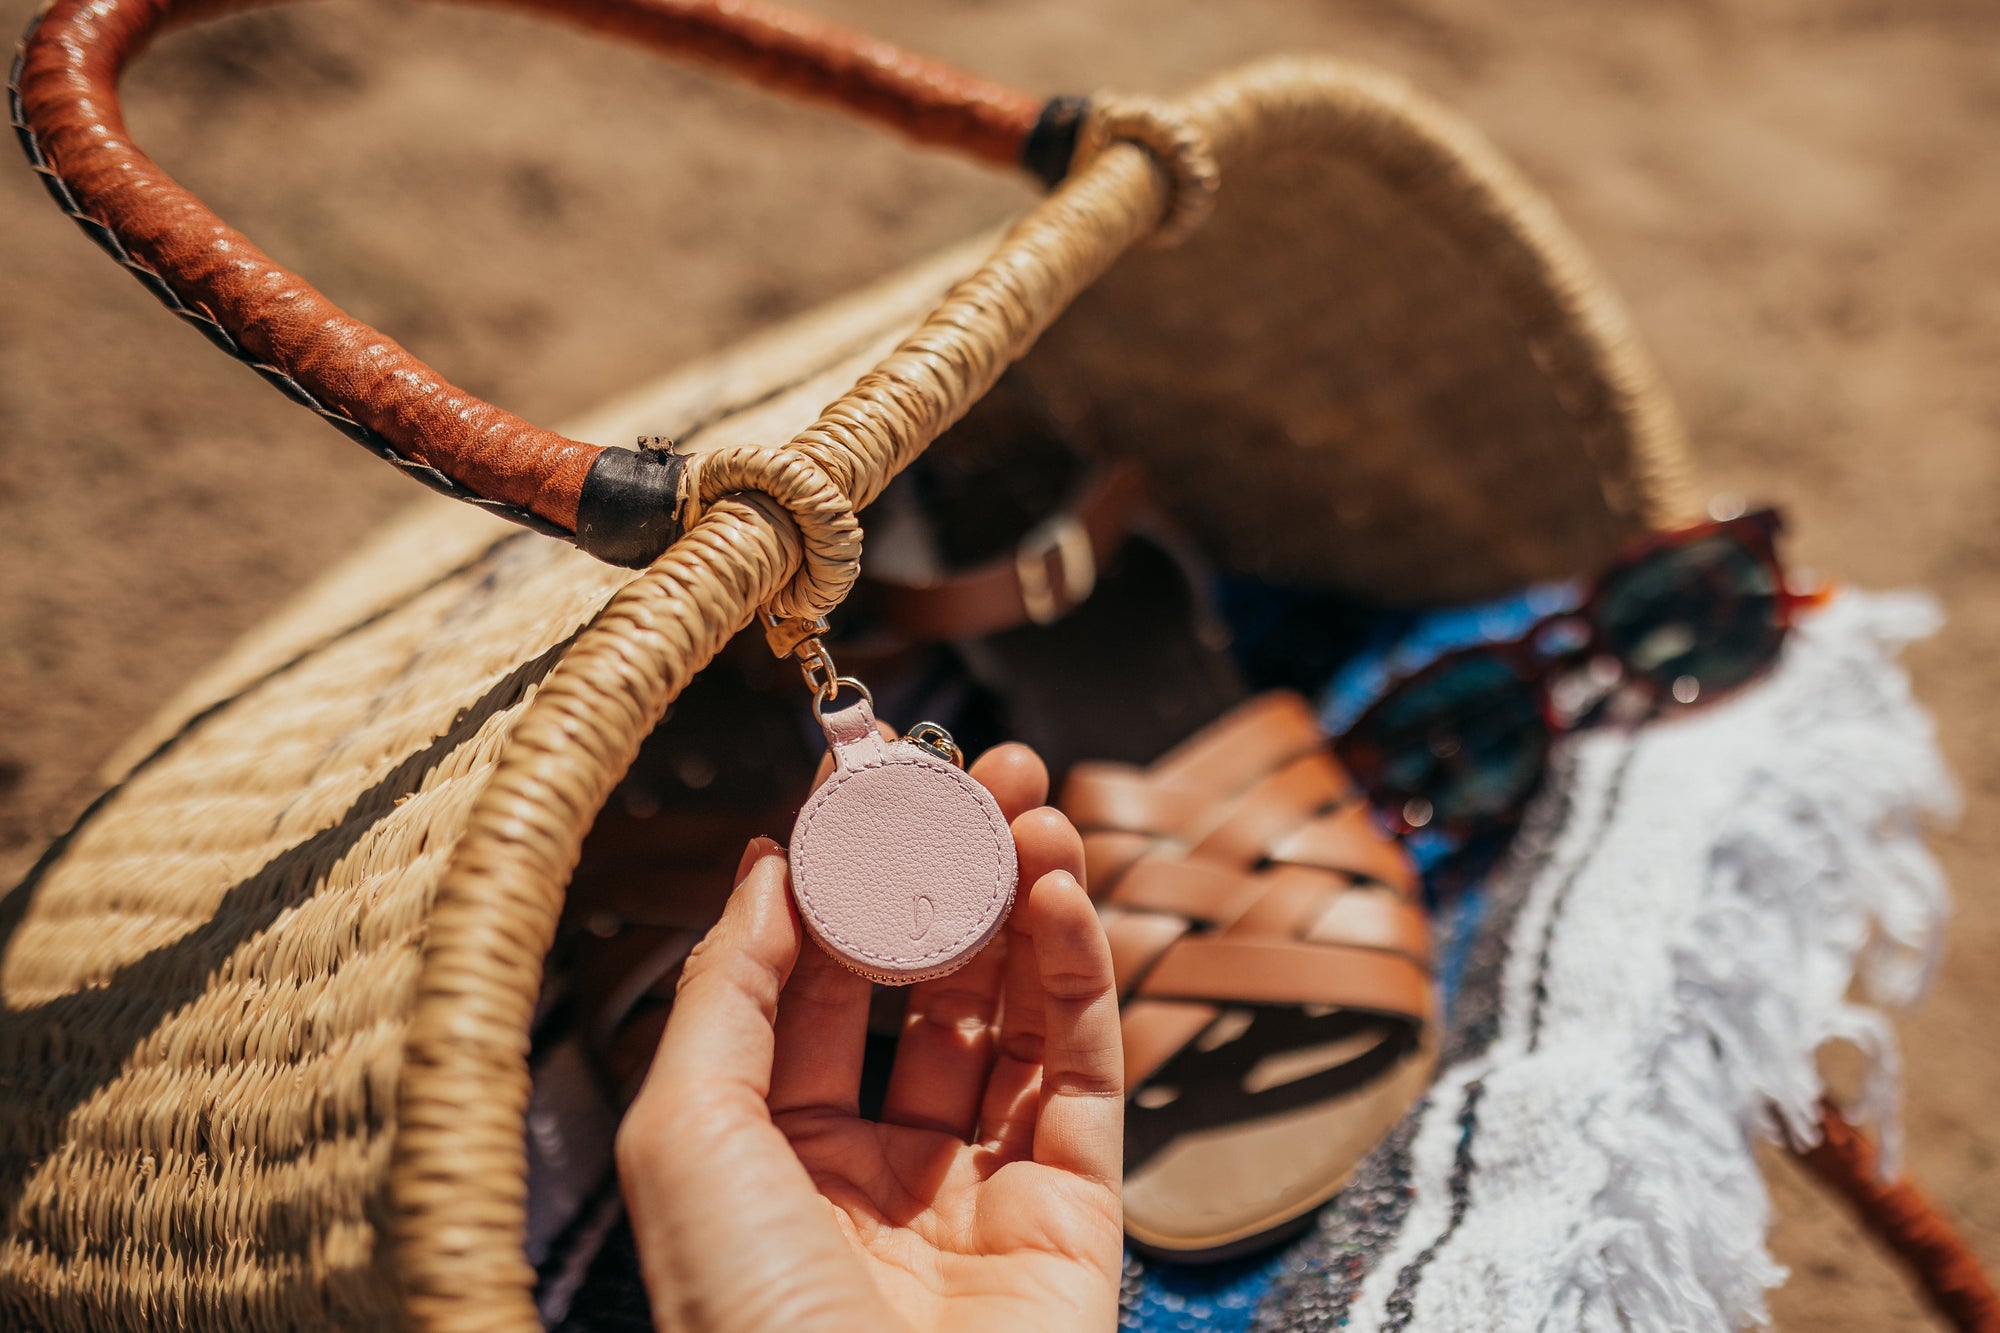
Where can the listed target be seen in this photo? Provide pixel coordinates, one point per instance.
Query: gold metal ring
(821, 698)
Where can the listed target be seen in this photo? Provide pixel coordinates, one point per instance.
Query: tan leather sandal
(1273, 965)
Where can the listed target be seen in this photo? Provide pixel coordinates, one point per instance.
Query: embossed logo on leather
(903, 866)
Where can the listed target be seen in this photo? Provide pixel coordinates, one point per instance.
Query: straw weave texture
(250, 909)
(211, 980)
(263, 1045)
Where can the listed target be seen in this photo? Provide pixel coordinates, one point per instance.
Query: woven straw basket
(266, 1006)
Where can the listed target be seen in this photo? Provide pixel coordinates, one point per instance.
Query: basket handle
(616, 504)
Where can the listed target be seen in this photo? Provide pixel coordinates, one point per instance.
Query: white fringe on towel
(1688, 935)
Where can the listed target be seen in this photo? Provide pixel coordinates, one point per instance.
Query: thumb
(729, 1229)
(721, 1028)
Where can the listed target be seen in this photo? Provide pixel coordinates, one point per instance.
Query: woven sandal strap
(1221, 759)
(1220, 897)
(1211, 778)
(1305, 813)
(1244, 830)
(1236, 970)
(1288, 908)
(1253, 739)
(1349, 840)
(1138, 940)
(1374, 919)
(1112, 796)
(1197, 978)
(1212, 895)
(1101, 797)
(617, 504)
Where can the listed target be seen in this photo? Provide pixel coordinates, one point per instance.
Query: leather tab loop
(852, 736)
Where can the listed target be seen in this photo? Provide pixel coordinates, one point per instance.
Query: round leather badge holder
(902, 865)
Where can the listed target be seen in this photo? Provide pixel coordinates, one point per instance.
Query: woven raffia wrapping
(263, 1047)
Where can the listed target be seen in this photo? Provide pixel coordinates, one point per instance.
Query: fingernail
(759, 848)
(1061, 877)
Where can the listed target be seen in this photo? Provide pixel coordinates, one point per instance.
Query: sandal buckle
(1064, 537)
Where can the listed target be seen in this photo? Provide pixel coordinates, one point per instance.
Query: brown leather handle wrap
(615, 504)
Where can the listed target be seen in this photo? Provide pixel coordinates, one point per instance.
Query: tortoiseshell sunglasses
(1681, 619)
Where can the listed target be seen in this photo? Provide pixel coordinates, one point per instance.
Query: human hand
(987, 1197)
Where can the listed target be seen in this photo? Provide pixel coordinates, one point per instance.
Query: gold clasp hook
(801, 639)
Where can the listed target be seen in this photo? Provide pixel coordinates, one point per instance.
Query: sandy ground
(1800, 198)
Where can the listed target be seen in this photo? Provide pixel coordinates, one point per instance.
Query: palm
(985, 1196)
(955, 1234)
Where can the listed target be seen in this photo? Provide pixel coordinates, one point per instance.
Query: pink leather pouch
(903, 866)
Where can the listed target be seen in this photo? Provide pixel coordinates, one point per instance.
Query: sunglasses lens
(1462, 744)
(1694, 619)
